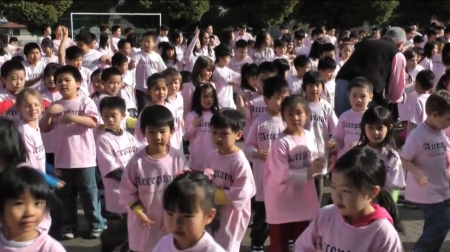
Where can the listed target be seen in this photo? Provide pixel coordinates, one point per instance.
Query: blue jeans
(341, 97)
(436, 226)
(80, 181)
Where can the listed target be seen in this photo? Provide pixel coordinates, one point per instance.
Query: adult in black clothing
(380, 61)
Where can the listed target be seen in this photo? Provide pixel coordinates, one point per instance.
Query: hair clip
(182, 172)
(209, 173)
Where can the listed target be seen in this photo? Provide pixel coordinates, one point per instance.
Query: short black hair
(425, 79)
(326, 63)
(279, 43)
(46, 43)
(9, 66)
(73, 53)
(418, 39)
(228, 118)
(121, 43)
(408, 30)
(241, 44)
(327, 47)
(282, 66)
(113, 102)
(68, 69)
(108, 72)
(274, 85)
(267, 67)
(299, 34)
(30, 46)
(84, 37)
(311, 78)
(301, 61)
(115, 28)
(164, 118)
(360, 82)
(118, 59)
(50, 69)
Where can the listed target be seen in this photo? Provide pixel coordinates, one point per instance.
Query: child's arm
(89, 119)
(51, 181)
(409, 151)
(115, 174)
(188, 51)
(251, 143)
(240, 105)
(107, 161)
(29, 83)
(307, 241)
(45, 124)
(62, 48)
(191, 125)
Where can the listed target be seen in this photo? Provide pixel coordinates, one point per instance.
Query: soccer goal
(80, 19)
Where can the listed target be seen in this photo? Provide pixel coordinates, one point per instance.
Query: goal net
(91, 21)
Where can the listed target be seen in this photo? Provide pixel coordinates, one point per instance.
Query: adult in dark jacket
(381, 62)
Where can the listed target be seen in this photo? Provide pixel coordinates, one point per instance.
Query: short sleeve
(411, 148)
(90, 109)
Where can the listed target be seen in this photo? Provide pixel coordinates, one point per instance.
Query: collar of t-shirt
(379, 213)
(15, 244)
(119, 133)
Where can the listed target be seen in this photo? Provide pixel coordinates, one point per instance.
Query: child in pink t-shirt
(263, 132)
(289, 173)
(249, 76)
(358, 181)
(189, 194)
(23, 190)
(115, 149)
(73, 119)
(233, 179)
(424, 157)
(13, 78)
(197, 127)
(148, 172)
(96, 87)
(424, 87)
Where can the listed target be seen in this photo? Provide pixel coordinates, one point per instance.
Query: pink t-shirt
(254, 107)
(329, 232)
(146, 65)
(114, 151)
(145, 179)
(187, 92)
(12, 112)
(427, 148)
(43, 243)
(347, 131)
(33, 142)
(395, 176)
(286, 182)
(200, 141)
(323, 122)
(264, 130)
(205, 244)
(57, 43)
(234, 176)
(418, 114)
(74, 145)
(47, 138)
(34, 71)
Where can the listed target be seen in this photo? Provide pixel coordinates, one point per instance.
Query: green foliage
(345, 14)
(175, 9)
(80, 21)
(34, 14)
(421, 12)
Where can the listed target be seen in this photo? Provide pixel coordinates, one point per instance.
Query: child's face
(97, 84)
(440, 122)
(326, 74)
(93, 44)
(260, 81)
(295, 117)
(349, 200)
(329, 54)
(206, 74)
(157, 137)
(174, 86)
(67, 86)
(49, 30)
(207, 98)
(113, 85)
(376, 133)
(225, 60)
(23, 215)
(148, 43)
(313, 91)
(268, 40)
(158, 92)
(299, 42)
(253, 81)
(290, 46)
(284, 31)
(117, 33)
(346, 51)
(241, 53)
(225, 139)
(47, 51)
(83, 46)
(331, 32)
(412, 63)
(164, 32)
(360, 98)
(302, 70)
(112, 118)
(126, 50)
(15, 81)
(281, 50)
(122, 68)
(78, 62)
(170, 53)
(50, 82)
(34, 56)
(31, 108)
(106, 31)
(274, 102)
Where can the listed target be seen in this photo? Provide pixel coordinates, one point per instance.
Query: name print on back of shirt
(325, 247)
(268, 137)
(304, 156)
(158, 180)
(38, 149)
(12, 112)
(258, 109)
(317, 118)
(223, 175)
(204, 127)
(435, 149)
(125, 151)
(347, 125)
(150, 64)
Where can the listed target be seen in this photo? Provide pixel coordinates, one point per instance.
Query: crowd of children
(123, 114)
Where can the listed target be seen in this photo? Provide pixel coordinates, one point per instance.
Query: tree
(80, 21)
(175, 9)
(421, 12)
(34, 14)
(345, 14)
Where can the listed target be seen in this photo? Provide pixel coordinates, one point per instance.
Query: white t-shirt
(91, 60)
(33, 72)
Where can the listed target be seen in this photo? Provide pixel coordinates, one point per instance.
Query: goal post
(114, 16)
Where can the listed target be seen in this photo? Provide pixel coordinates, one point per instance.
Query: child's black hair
(9, 66)
(12, 147)
(221, 51)
(299, 34)
(417, 39)
(164, 118)
(185, 76)
(282, 66)
(314, 53)
(50, 69)
(312, 78)
(73, 53)
(278, 43)
(274, 85)
(378, 115)
(113, 102)
(153, 79)
(409, 55)
(301, 61)
(197, 99)
(228, 118)
(365, 170)
(103, 40)
(187, 192)
(133, 40)
(29, 47)
(327, 47)
(200, 64)
(121, 43)
(118, 59)
(443, 81)
(293, 100)
(84, 37)
(428, 50)
(16, 181)
(68, 69)
(97, 71)
(47, 43)
(247, 71)
(360, 82)
(165, 47)
(267, 67)
(425, 79)
(109, 72)
(326, 63)
(241, 43)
